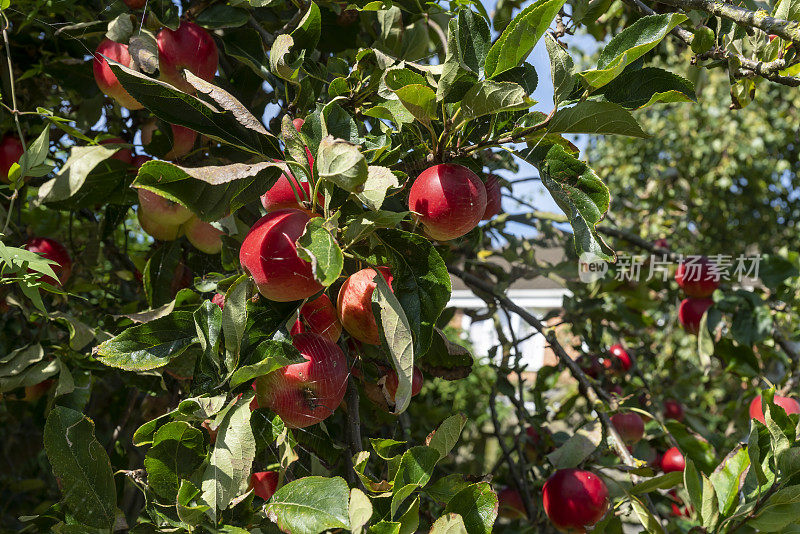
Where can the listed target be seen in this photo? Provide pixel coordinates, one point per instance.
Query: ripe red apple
(511, 504)
(284, 194)
(188, 47)
(37, 391)
(182, 141)
(673, 410)
(449, 200)
(789, 405)
(319, 316)
(219, 300)
(690, 313)
(494, 203)
(305, 393)
(661, 243)
(574, 499)
(673, 461)
(629, 426)
(10, 152)
(697, 278)
(52, 250)
(618, 358)
(123, 154)
(355, 305)
(391, 382)
(105, 77)
(162, 210)
(298, 123)
(203, 236)
(264, 483)
(616, 390)
(269, 255)
(135, 4)
(138, 161)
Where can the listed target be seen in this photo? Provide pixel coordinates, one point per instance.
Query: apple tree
(230, 230)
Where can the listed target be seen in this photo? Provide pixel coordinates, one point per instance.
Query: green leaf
(208, 325)
(319, 247)
(234, 319)
(88, 177)
(419, 100)
(149, 345)
(693, 484)
(342, 163)
(209, 192)
(472, 39)
(282, 61)
(308, 30)
(449, 524)
(629, 45)
(667, 481)
(379, 181)
(780, 510)
(477, 506)
(359, 510)
(599, 118)
(641, 88)
(727, 476)
(561, 70)
(228, 470)
(178, 449)
(409, 521)
(245, 44)
(578, 192)
(444, 438)
(700, 451)
(709, 510)
(229, 123)
(520, 36)
(221, 16)
(160, 272)
(489, 97)
(81, 466)
(414, 471)
(578, 447)
(189, 509)
(270, 356)
(310, 505)
(396, 337)
(446, 488)
(648, 521)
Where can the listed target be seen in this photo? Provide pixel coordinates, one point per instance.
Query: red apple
(355, 305)
(696, 278)
(691, 311)
(162, 210)
(673, 410)
(123, 154)
(511, 504)
(494, 203)
(789, 406)
(269, 255)
(135, 4)
(105, 77)
(319, 316)
(306, 393)
(219, 300)
(629, 426)
(618, 358)
(264, 483)
(448, 199)
(661, 243)
(203, 236)
(158, 230)
(138, 161)
(188, 47)
(574, 499)
(673, 461)
(285, 194)
(52, 250)
(10, 152)
(182, 142)
(391, 382)
(616, 390)
(37, 391)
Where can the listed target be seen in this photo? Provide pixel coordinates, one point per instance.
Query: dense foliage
(226, 287)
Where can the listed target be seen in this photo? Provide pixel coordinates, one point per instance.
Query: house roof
(546, 255)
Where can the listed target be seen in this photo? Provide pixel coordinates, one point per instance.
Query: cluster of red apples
(698, 280)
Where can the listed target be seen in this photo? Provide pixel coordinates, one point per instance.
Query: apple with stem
(629, 426)
(494, 201)
(697, 278)
(269, 255)
(55, 251)
(673, 460)
(354, 305)
(789, 405)
(264, 483)
(10, 152)
(106, 79)
(319, 316)
(574, 499)
(305, 393)
(203, 236)
(289, 192)
(690, 313)
(448, 199)
(189, 47)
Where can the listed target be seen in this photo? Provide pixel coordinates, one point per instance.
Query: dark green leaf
(311, 505)
(178, 449)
